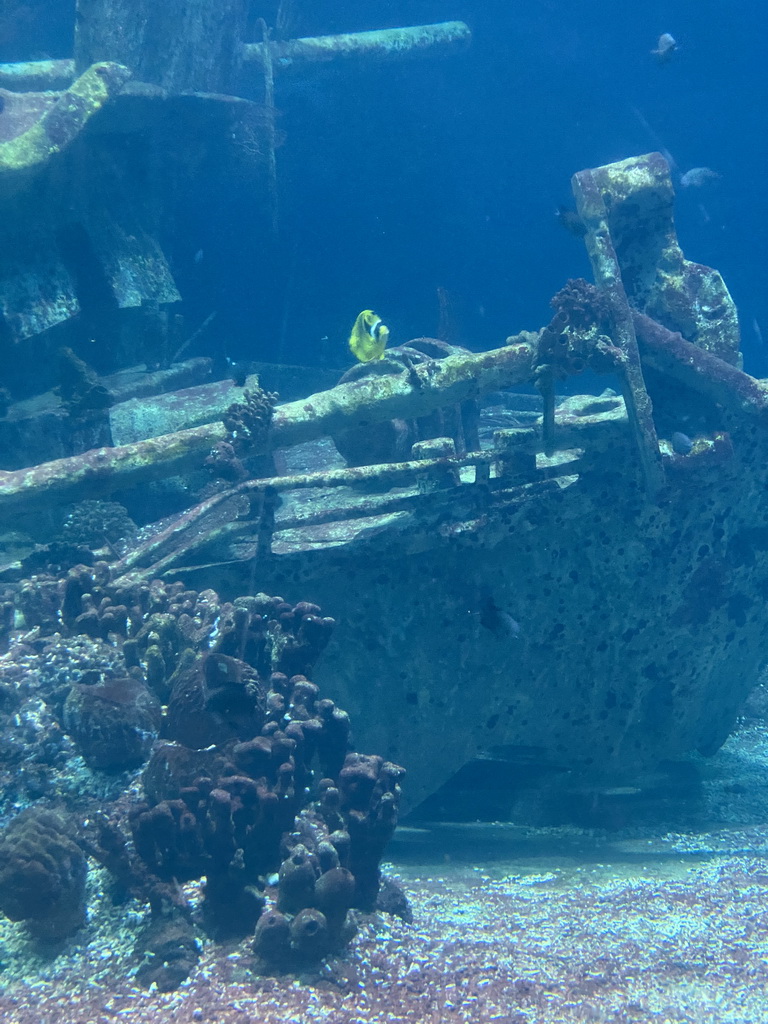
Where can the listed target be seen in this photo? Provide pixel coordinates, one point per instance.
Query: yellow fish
(369, 337)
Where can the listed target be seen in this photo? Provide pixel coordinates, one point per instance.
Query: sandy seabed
(511, 925)
(675, 939)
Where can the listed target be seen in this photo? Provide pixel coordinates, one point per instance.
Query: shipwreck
(516, 569)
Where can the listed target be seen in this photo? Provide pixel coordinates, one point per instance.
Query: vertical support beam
(591, 196)
(545, 382)
(181, 45)
(269, 103)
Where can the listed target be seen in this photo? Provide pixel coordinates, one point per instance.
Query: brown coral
(42, 875)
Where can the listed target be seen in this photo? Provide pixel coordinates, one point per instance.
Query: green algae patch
(64, 121)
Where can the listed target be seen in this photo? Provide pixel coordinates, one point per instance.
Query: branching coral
(253, 775)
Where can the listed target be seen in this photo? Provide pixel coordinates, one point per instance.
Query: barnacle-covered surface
(413, 629)
(635, 206)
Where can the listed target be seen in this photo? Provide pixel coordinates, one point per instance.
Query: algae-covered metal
(61, 123)
(633, 200)
(378, 45)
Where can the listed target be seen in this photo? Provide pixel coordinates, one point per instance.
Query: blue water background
(399, 179)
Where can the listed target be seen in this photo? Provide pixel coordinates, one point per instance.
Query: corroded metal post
(592, 190)
(702, 371)
(427, 386)
(656, 277)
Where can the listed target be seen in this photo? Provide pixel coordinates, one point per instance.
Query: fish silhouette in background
(666, 48)
(681, 443)
(571, 221)
(496, 619)
(698, 177)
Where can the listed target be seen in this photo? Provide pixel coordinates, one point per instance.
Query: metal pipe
(669, 353)
(37, 75)
(378, 45)
(590, 189)
(427, 387)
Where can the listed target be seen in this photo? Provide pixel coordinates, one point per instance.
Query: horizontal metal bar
(378, 45)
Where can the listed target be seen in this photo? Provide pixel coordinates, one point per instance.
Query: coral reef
(251, 786)
(224, 463)
(584, 305)
(331, 864)
(240, 813)
(42, 875)
(94, 523)
(578, 335)
(115, 722)
(248, 422)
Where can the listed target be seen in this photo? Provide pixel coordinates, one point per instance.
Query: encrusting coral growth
(42, 875)
(250, 781)
(94, 523)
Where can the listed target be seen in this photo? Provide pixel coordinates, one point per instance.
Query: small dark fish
(665, 48)
(681, 443)
(496, 619)
(571, 221)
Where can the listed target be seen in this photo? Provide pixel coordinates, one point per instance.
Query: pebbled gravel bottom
(670, 941)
